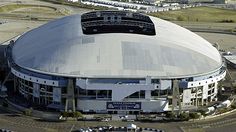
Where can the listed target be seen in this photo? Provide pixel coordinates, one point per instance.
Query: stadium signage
(123, 105)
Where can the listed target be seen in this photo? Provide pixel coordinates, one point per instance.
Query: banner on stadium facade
(124, 105)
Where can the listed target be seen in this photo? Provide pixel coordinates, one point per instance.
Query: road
(19, 122)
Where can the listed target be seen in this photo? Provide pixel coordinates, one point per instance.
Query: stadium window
(134, 95)
(30, 84)
(155, 81)
(142, 94)
(153, 92)
(209, 92)
(109, 93)
(81, 91)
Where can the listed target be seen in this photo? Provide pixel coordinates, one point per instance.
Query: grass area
(32, 12)
(13, 7)
(195, 130)
(38, 11)
(7, 8)
(199, 14)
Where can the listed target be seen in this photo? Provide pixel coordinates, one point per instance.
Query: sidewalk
(35, 113)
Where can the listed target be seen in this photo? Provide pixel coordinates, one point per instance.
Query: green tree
(65, 114)
(194, 115)
(203, 112)
(184, 116)
(170, 115)
(180, 18)
(28, 112)
(233, 106)
(77, 114)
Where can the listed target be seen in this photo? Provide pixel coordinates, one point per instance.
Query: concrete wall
(85, 105)
(155, 106)
(146, 106)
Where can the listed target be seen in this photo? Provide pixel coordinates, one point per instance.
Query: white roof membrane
(61, 48)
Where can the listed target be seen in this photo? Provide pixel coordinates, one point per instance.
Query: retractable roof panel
(98, 22)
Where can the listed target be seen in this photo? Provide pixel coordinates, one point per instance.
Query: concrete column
(148, 94)
(176, 96)
(45, 94)
(15, 83)
(196, 96)
(216, 87)
(70, 100)
(148, 80)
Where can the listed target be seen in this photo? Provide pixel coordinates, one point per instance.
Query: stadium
(115, 61)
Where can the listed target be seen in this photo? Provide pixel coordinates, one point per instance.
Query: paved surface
(222, 123)
(226, 41)
(18, 122)
(227, 128)
(14, 121)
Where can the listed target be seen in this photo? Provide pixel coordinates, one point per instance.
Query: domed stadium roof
(102, 48)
